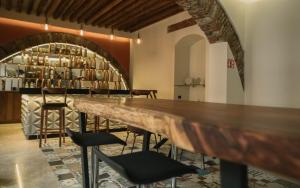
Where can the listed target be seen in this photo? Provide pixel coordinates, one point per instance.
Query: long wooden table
(240, 135)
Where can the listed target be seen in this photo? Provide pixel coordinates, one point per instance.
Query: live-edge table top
(265, 137)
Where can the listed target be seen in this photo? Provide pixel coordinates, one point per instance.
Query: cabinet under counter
(10, 107)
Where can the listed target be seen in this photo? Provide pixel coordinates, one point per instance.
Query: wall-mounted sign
(231, 63)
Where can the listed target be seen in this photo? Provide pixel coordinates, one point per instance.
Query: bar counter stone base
(31, 114)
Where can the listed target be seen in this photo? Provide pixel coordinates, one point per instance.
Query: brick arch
(51, 37)
(213, 20)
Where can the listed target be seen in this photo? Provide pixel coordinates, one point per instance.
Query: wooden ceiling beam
(19, 5)
(66, 7)
(8, 4)
(41, 7)
(83, 10)
(129, 12)
(93, 10)
(59, 9)
(167, 12)
(116, 11)
(72, 9)
(30, 6)
(143, 13)
(132, 17)
(52, 6)
(102, 12)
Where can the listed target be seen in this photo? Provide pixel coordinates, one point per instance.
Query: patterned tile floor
(65, 162)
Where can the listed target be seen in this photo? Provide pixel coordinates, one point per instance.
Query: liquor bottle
(85, 52)
(71, 84)
(106, 65)
(59, 61)
(87, 74)
(73, 65)
(37, 83)
(101, 65)
(59, 83)
(49, 48)
(46, 61)
(111, 76)
(93, 65)
(56, 48)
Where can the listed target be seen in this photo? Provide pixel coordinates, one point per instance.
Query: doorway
(189, 76)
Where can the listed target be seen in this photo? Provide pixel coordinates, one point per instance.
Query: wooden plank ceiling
(125, 15)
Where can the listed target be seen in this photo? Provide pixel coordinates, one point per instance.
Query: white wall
(152, 62)
(216, 79)
(273, 53)
(182, 71)
(235, 92)
(269, 31)
(236, 11)
(197, 69)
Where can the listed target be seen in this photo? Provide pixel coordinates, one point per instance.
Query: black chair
(144, 167)
(95, 140)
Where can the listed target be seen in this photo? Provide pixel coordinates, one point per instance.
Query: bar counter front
(240, 135)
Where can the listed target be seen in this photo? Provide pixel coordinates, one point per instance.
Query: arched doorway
(189, 76)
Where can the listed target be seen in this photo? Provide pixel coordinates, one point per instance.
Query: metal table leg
(233, 175)
(84, 153)
(146, 141)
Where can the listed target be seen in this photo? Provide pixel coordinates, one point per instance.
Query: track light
(138, 40)
(81, 30)
(46, 27)
(112, 36)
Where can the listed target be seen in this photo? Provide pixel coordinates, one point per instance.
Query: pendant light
(46, 27)
(138, 40)
(81, 30)
(112, 36)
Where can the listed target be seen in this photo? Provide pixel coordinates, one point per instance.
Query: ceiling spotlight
(138, 40)
(81, 30)
(112, 36)
(46, 27)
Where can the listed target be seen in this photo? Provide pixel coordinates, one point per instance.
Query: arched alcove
(189, 75)
(16, 46)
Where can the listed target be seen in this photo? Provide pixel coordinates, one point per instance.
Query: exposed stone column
(213, 20)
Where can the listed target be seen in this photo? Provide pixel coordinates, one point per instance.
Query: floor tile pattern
(65, 162)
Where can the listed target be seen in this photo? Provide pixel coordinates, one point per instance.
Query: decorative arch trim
(213, 20)
(51, 37)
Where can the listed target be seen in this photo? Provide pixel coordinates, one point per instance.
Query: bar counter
(31, 101)
(240, 135)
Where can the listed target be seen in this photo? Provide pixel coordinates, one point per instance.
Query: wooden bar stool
(60, 107)
(109, 93)
(97, 118)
